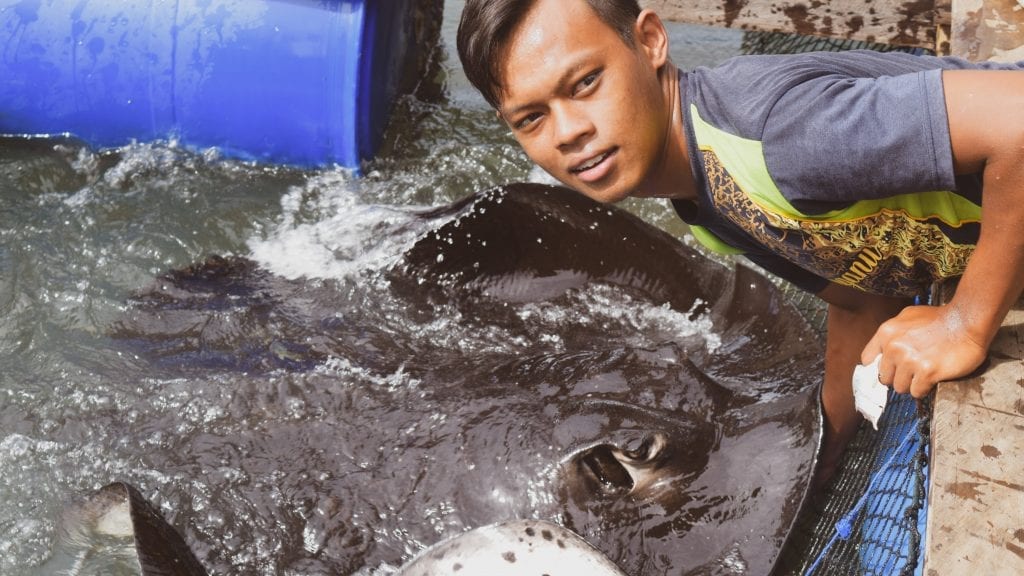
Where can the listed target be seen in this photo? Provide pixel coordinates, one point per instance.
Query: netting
(783, 43)
(870, 520)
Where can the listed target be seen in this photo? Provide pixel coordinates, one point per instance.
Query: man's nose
(572, 126)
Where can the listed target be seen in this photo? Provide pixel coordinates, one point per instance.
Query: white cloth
(869, 395)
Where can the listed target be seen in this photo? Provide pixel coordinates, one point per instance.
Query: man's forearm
(994, 276)
(986, 124)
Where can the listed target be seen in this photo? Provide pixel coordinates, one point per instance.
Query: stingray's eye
(646, 449)
(640, 450)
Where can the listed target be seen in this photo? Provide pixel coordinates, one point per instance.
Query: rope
(920, 487)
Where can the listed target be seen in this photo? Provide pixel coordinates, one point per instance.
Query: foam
(343, 238)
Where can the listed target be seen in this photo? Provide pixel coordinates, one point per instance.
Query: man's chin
(609, 195)
(605, 194)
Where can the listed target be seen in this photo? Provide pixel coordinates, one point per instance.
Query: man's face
(584, 105)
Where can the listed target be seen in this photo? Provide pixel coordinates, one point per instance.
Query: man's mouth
(592, 163)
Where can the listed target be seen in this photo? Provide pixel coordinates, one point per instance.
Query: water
(83, 230)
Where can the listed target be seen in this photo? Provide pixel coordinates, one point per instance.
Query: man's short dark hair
(486, 26)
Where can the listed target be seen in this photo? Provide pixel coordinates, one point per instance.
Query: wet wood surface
(973, 29)
(976, 492)
(988, 30)
(900, 22)
(976, 478)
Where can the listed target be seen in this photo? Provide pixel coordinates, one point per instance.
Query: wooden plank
(899, 22)
(943, 26)
(976, 473)
(988, 30)
(976, 480)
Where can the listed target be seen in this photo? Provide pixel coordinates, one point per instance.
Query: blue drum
(301, 82)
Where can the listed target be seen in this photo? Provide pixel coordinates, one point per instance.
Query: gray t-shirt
(833, 129)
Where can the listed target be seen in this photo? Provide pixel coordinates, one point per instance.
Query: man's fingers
(881, 342)
(921, 386)
(904, 377)
(886, 371)
(871, 351)
(907, 373)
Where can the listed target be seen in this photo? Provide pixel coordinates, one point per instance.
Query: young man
(857, 176)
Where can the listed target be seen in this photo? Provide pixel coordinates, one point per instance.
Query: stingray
(115, 530)
(529, 355)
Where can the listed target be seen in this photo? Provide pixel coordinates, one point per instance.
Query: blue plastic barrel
(302, 82)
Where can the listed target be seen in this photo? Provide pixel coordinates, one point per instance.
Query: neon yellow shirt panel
(744, 159)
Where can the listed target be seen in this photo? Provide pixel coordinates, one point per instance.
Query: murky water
(82, 231)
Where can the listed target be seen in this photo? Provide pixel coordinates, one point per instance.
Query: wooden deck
(974, 29)
(976, 480)
(988, 30)
(903, 22)
(976, 473)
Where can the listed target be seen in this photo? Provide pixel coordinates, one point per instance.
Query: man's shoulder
(857, 63)
(765, 75)
(739, 94)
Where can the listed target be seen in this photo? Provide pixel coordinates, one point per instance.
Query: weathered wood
(976, 478)
(904, 23)
(988, 30)
(943, 26)
(976, 491)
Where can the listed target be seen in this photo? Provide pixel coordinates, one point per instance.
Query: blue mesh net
(872, 518)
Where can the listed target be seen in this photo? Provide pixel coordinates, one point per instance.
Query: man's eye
(526, 121)
(587, 82)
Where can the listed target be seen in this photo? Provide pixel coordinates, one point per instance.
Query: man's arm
(924, 345)
(853, 318)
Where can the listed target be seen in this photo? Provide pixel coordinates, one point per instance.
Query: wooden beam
(943, 26)
(976, 474)
(899, 22)
(988, 30)
(976, 490)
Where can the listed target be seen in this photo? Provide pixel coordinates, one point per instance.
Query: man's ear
(651, 37)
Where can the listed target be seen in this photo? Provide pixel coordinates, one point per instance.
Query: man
(857, 176)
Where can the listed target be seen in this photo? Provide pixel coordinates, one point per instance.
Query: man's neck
(672, 176)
